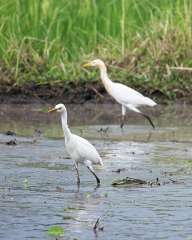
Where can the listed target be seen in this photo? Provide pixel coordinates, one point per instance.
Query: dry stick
(96, 224)
(181, 68)
(95, 90)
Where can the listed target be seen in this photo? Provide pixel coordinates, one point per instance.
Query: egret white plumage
(124, 95)
(78, 148)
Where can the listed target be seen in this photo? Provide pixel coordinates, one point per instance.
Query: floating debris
(104, 130)
(119, 170)
(10, 133)
(11, 142)
(128, 181)
(172, 173)
(154, 183)
(175, 181)
(38, 132)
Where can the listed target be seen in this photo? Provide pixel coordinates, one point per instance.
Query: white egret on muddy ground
(78, 148)
(124, 95)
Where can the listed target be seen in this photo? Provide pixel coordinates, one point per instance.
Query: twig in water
(96, 224)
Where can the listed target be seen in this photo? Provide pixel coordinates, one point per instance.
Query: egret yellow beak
(52, 110)
(87, 65)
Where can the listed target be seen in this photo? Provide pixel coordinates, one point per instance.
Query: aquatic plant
(56, 231)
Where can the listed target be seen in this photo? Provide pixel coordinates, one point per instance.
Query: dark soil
(48, 93)
(32, 93)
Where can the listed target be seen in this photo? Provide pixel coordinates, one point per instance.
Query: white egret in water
(79, 149)
(126, 96)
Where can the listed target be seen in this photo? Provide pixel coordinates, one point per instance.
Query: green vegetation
(56, 231)
(46, 41)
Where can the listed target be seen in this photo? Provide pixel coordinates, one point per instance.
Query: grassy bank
(46, 41)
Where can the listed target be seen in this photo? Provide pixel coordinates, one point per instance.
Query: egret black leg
(97, 179)
(88, 164)
(149, 119)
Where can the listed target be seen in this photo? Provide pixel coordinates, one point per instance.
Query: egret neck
(104, 77)
(66, 130)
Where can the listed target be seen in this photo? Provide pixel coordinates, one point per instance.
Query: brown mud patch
(71, 93)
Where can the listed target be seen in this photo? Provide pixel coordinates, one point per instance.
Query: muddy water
(37, 180)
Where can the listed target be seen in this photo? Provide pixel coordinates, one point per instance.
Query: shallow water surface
(37, 179)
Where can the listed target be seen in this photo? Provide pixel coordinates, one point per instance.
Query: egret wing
(126, 95)
(86, 151)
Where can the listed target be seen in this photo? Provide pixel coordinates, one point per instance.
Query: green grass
(46, 41)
